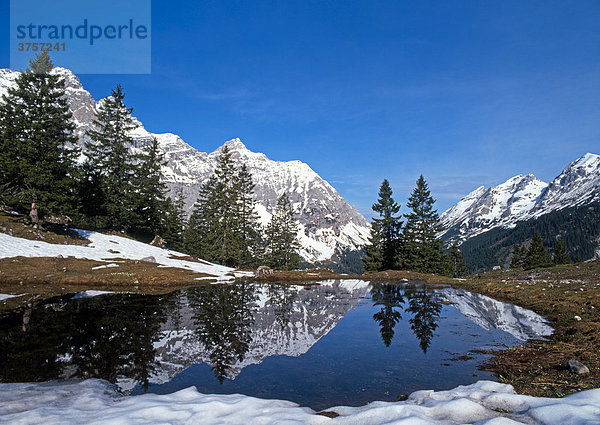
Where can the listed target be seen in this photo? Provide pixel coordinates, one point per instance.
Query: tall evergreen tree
(420, 249)
(282, 244)
(109, 158)
(213, 228)
(248, 231)
(560, 252)
(518, 257)
(457, 268)
(149, 200)
(37, 157)
(174, 223)
(537, 255)
(385, 231)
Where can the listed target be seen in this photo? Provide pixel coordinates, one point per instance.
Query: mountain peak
(235, 145)
(589, 160)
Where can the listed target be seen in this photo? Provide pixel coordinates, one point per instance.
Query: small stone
(576, 366)
(577, 318)
(149, 259)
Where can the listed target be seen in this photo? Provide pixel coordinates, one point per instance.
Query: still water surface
(337, 343)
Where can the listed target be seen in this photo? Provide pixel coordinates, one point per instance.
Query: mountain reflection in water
(278, 341)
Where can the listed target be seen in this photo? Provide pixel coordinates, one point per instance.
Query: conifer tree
(385, 231)
(248, 225)
(110, 158)
(149, 195)
(560, 252)
(373, 260)
(174, 223)
(537, 255)
(420, 249)
(518, 257)
(213, 227)
(37, 157)
(282, 244)
(458, 268)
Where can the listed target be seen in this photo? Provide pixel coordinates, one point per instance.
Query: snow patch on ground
(7, 296)
(107, 247)
(90, 294)
(95, 401)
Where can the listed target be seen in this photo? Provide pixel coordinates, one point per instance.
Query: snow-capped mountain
(522, 198)
(328, 224)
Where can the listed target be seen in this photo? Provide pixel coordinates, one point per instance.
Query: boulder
(149, 259)
(158, 241)
(576, 366)
(263, 271)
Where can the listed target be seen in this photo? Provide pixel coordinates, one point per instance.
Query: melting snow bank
(96, 401)
(90, 294)
(105, 247)
(7, 296)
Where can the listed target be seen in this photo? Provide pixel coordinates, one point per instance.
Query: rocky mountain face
(522, 198)
(329, 226)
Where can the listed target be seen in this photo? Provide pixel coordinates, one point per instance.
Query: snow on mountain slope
(486, 208)
(578, 184)
(522, 198)
(328, 224)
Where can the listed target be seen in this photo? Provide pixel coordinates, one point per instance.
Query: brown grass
(50, 276)
(16, 226)
(559, 293)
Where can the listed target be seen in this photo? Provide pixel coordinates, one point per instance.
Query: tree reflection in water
(390, 298)
(223, 318)
(423, 303)
(105, 337)
(281, 298)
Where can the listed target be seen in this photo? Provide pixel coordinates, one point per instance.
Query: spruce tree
(560, 252)
(518, 257)
(37, 159)
(248, 225)
(373, 260)
(148, 214)
(174, 223)
(109, 157)
(458, 268)
(385, 230)
(537, 255)
(420, 249)
(213, 228)
(282, 244)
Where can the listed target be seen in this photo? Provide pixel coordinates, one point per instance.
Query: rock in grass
(149, 259)
(576, 366)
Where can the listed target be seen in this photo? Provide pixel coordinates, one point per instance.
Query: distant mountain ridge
(331, 229)
(522, 198)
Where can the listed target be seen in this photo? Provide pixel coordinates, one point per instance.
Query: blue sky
(465, 92)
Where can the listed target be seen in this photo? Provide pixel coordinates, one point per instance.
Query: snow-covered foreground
(96, 402)
(107, 247)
